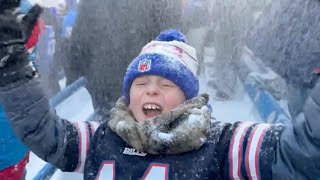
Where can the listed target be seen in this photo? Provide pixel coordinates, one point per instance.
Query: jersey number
(155, 171)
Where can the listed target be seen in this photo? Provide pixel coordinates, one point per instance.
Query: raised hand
(14, 64)
(7, 5)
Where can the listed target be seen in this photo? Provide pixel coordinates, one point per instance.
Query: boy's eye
(141, 83)
(167, 84)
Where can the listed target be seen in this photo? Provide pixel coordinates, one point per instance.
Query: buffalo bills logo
(144, 65)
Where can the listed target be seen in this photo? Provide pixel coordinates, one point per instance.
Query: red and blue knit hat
(170, 57)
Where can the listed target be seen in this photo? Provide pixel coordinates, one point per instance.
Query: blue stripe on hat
(163, 66)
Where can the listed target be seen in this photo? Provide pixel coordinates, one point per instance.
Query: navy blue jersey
(232, 151)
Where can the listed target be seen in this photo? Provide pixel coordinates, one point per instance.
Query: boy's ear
(8, 4)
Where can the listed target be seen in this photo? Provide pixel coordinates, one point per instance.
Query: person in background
(69, 19)
(62, 47)
(289, 43)
(31, 44)
(116, 30)
(14, 155)
(232, 19)
(197, 23)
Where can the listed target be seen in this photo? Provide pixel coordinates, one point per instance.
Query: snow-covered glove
(14, 63)
(180, 130)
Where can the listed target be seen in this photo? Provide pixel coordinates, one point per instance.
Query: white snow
(195, 120)
(240, 108)
(48, 3)
(167, 137)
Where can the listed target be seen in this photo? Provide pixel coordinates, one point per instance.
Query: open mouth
(151, 110)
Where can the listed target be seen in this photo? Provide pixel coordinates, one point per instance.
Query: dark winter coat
(242, 150)
(108, 35)
(286, 38)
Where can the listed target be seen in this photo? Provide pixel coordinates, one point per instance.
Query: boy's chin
(147, 115)
(144, 118)
(141, 119)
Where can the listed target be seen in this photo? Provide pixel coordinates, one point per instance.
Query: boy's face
(152, 95)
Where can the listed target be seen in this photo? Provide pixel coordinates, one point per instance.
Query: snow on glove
(14, 63)
(181, 130)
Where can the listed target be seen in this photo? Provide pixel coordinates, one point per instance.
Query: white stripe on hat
(253, 149)
(235, 150)
(176, 50)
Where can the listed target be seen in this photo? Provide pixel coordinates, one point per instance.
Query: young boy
(161, 128)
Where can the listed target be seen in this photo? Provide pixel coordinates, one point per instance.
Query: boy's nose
(152, 90)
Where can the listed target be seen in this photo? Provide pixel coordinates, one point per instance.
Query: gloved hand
(6, 5)
(14, 63)
(181, 130)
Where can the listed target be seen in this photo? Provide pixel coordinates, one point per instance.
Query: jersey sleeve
(53, 139)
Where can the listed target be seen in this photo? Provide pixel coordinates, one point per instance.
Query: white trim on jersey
(94, 126)
(253, 150)
(84, 135)
(235, 150)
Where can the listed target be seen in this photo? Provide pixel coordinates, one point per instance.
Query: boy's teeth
(151, 106)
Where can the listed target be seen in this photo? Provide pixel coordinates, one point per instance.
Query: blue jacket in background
(12, 150)
(67, 24)
(25, 6)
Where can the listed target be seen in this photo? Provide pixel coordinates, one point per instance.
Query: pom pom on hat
(170, 57)
(171, 35)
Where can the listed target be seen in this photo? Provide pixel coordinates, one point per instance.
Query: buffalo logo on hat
(144, 65)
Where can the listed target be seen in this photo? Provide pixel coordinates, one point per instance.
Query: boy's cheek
(134, 98)
(175, 99)
(134, 103)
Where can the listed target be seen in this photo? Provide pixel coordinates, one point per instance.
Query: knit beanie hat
(167, 56)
